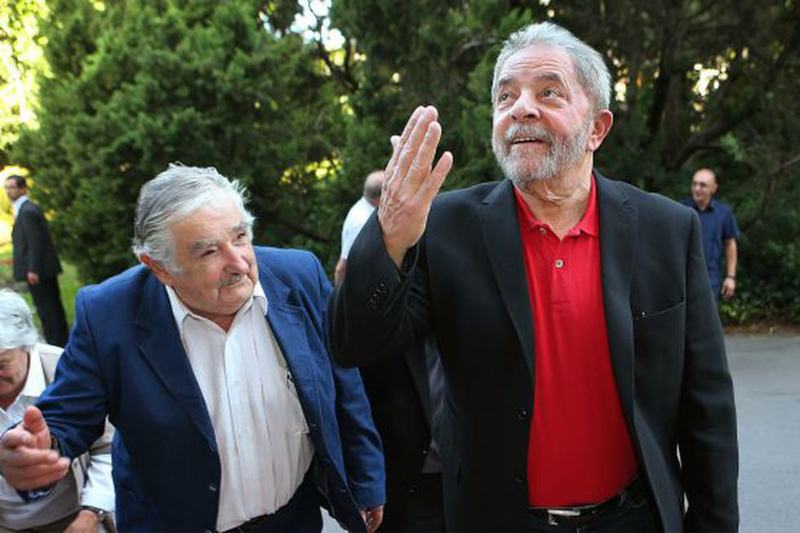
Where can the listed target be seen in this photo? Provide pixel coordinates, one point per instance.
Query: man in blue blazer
(210, 360)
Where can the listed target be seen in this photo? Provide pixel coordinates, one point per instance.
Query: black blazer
(33, 247)
(465, 282)
(398, 391)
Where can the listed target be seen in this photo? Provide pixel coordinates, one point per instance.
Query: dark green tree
(138, 84)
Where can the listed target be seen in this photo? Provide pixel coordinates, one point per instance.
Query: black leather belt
(582, 514)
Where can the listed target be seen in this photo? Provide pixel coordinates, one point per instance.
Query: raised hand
(411, 184)
(26, 460)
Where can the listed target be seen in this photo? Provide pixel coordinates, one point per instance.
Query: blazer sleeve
(378, 310)
(75, 404)
(707, 424)
(31, 222)
(361, 444)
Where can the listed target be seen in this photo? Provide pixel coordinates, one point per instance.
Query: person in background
(210, 360)
(720, 232)
(356, 218)
(405, 392)
(36, 261)
(82, 502)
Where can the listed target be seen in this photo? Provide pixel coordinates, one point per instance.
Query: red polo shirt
(579, 450)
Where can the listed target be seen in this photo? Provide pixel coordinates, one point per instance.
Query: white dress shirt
(16, 204)
(64, 499)
(258, 422)
(353, 222)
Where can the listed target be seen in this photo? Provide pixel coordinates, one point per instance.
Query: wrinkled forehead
(547, 59)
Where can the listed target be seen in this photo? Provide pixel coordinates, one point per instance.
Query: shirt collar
(181, 312)
(18, 203)
(589, 222)
(35, 382)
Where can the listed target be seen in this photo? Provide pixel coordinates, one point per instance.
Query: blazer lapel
(503, 244)
(617, 245)
(162, 347)
(287, 322)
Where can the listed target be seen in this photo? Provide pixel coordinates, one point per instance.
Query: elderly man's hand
(26, 460)
(373, 516)
(85, 522)
(411, 184)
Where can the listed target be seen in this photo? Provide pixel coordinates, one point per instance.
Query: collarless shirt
(18, 203)
(258, 422)
(16, 513)
(580, 451)
(353, 222)
(718, 224)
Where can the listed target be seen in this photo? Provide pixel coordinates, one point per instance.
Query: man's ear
(159, 271)
(600, 128)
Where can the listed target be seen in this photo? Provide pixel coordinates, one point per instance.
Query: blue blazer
(125, 359)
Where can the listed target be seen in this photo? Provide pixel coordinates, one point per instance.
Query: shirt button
(543, 231)
(559, 263)
(212, 487)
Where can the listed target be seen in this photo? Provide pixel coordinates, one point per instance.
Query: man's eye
(208, 253)
(551, 92)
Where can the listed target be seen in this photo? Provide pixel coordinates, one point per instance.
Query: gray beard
(561, 155)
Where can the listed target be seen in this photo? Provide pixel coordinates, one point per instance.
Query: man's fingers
(397, 145)
(34, 477)
(33, 420)
(24, 457)
(421, 167)
(16, 437)
(408, 150)
(431, 186)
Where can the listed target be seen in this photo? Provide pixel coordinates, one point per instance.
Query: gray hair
(17, 329)
(173, 195)
(592, 71)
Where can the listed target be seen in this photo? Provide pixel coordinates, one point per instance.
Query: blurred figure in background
(720, 232)
(357, 217)
(36, 261)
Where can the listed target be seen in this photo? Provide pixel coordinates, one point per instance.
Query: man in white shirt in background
(357, 217)
(210, 359)
(82, 502)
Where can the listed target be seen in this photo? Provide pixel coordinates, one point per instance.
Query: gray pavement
(766, 375)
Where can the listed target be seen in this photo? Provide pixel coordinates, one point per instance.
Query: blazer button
(523, 414)
(212, 487)
(519, 481)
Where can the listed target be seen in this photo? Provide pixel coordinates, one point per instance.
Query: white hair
(173, 195)
(592, 71)
(17, 329)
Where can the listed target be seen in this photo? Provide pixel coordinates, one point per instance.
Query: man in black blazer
(36, 261)
(405, 394)
(490, 271)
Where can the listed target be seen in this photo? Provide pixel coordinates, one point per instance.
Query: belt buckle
(553, 515)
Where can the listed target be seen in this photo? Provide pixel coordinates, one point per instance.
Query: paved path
(766, 375)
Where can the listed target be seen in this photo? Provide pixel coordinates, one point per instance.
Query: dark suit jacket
(125, 359)
(465, 281)
(33, 247)
(398, 392)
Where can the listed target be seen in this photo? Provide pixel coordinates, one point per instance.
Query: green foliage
(20, 63)
(135, 84)
(140, 84)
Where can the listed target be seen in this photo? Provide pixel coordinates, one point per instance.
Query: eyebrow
(546, 76)
(208, 243)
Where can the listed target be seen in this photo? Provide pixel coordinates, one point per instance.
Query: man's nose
(237, 259)
(525, 107)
